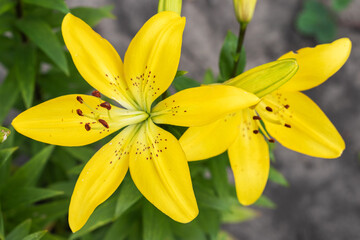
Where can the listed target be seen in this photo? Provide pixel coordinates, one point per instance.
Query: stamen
(79, 99)
(104, 123)
(256, 118)
(269, 109)
(96, 93)
(87, 126)
(106, 105)
(287, 125)
(79, 112)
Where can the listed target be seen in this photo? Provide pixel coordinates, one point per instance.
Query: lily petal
(160, 171)
(303, 126)
(152, 58)
(96, 60)
(73, 120)
(100, 177)
(201, 105)
(210, 140)
(317, 64)
(249, 160)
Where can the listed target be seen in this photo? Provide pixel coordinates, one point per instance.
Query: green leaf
(189, 231)
(182, 82)
(29, 173)
(20, 232)
(317, 21)
(265, 202)
(93, 16)
(209, 77)
(81, 153)
(102, 215)
(180, 73)
(219, 176)
(128, 196)
(206, 197)
(6, 21)
(25, 72)
(6, 5)
(228, 57)
(2, 231)
(59, 5)
(9, 93)
(120, 229)
(41, 34)
(278, 177)
(155, 224)
(5, 155)
(209, 222)
(26, 196)
(238, 213)
(36, 236)
(339, 5)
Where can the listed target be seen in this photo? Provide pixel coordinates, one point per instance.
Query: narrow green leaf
(59, 5)
(120, 229)
(209, 77)
(29, 173)
(26, 196)
(206, 197)
(6, 21)
(2, 231)
(5, 155)
(277, 177)
(36, 236)
(81, 153)
(128, 196)
(155, 224)
(219, 176)
(209, 222)
(189, 231)
(180, 73)
(25, 72)
(238, 213)
(340, 5)
(9, 93)
(6, 5)
(265, 202)
(41, 34)
(93, 16)
(20, 232)
(182, 82)
(228, 57)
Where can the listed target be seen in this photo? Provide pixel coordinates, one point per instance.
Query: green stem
(241, 37)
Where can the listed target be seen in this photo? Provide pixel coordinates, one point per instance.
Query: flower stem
(241, 37)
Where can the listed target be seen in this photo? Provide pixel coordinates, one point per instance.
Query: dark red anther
(256, 118)
(271, 140)
(287, 125)
(79, 112)
(287, 106)
(105, 105)
(256, 131)
(79, 99)
(268, 109)
(87, 126)
(96, 93)
(104, 123)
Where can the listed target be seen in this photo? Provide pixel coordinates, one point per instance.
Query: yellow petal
(249, 160)
(160, 171)
(58, 122)
(317, 64)
(152, 58)
(201, 105)
(265, 78)
(302, 126)
(96, 60)
(100, 177)
(210, 140)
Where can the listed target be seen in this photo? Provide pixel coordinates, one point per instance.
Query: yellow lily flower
(289, 116)
(156, 161)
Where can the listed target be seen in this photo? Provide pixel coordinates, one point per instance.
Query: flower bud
(4, 133)
(265, 78)
(170, 5)
(244, 10)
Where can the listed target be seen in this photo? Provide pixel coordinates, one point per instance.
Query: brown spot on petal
(96, 93)
(104, 123)
(87, 126)
(105, 105)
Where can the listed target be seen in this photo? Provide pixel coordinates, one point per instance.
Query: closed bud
(170, 5)
(265, 78)
(4, 133)
(244, 10)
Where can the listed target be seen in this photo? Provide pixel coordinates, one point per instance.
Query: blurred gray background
(323, 200)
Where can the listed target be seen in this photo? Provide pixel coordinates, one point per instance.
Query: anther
(106, 105)
(79, 112)
(287, 106)
(96, 93)
(256, 131)
(87, 126)
(256, 118)
(79, 99)
(104, 123)
(271, 140)
(287, 125)
(268, 109)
